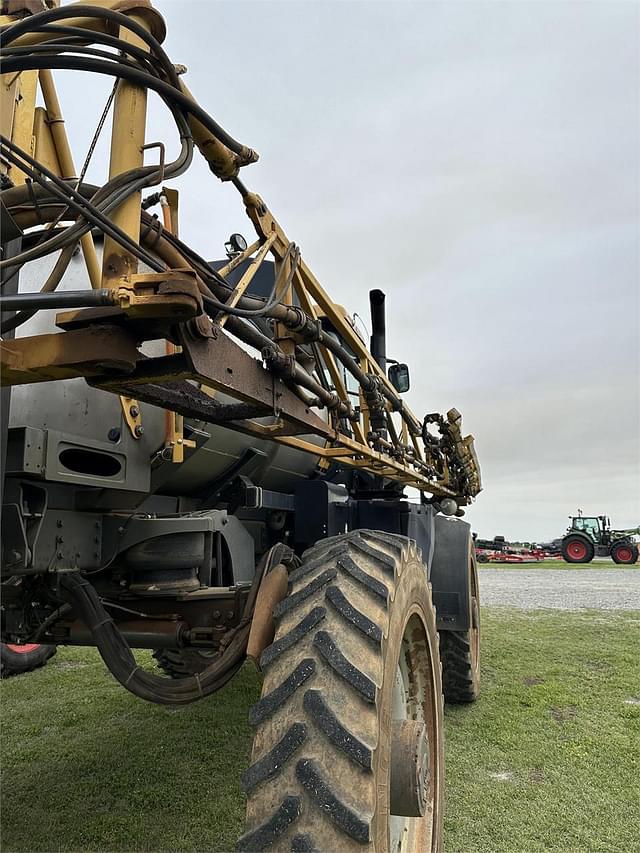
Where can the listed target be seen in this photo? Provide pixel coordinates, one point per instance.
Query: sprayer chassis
(121, 536)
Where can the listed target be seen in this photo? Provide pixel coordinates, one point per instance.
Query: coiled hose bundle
(117, 654)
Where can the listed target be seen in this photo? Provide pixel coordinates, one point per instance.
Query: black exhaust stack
(378, 328)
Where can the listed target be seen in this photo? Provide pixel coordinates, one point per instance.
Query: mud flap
(450, 574)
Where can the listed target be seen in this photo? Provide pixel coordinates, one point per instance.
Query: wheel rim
(624, 555)
(414, 698)
(577, 550)
(23, 650)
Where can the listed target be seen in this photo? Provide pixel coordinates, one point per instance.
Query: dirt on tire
(14, 660)
(319, 777)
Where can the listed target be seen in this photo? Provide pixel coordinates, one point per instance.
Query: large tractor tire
(348, 749)
(460, 650)
(577, 549)
(14, 659)
(625, 553)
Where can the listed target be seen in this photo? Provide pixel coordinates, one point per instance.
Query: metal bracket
(132, 416)
(166, 298)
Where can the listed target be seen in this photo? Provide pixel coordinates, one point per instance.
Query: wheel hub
(577, 550)
(409, 769)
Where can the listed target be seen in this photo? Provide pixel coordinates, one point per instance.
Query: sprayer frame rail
(171, 303)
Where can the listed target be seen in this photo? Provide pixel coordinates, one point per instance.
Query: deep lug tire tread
(339, 621)
(458, 682)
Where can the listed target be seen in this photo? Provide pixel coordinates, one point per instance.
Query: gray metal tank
(70, 432)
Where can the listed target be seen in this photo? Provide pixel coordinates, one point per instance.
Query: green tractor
(592, 536)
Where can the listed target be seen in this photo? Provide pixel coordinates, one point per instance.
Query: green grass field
(546, 760)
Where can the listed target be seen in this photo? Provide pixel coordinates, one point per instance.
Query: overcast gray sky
(478, 161)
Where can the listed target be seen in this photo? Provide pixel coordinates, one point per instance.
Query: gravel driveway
(564, 589)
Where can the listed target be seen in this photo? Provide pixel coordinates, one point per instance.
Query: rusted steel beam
(189, 401)
(167, 298)
(149, 371)
(83, 352)
(221, 364)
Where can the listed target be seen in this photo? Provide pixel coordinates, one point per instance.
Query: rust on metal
(82, 352)
(409, 768)
(171, 297)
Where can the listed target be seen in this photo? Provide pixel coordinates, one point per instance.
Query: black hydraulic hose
(367, 382)
(56, 49)
(105, 199)
(50, 620)
(53, 280)
(317, 355)
(117, 655)
(242, 189)
(289, 316)
(133, 75)
(133, 180)
(81, 43)
(33, 23)
(15, 198)
(64, 299)
(46, 21)
(119, 188)
(158, 57)
(280, 286)
(85, 210)
(291, 371)
(249, 334)
(76, 201)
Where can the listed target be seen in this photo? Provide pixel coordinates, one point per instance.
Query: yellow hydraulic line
(222, 161)
(65, 159)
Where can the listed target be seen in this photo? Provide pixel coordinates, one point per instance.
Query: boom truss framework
(295, 393)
